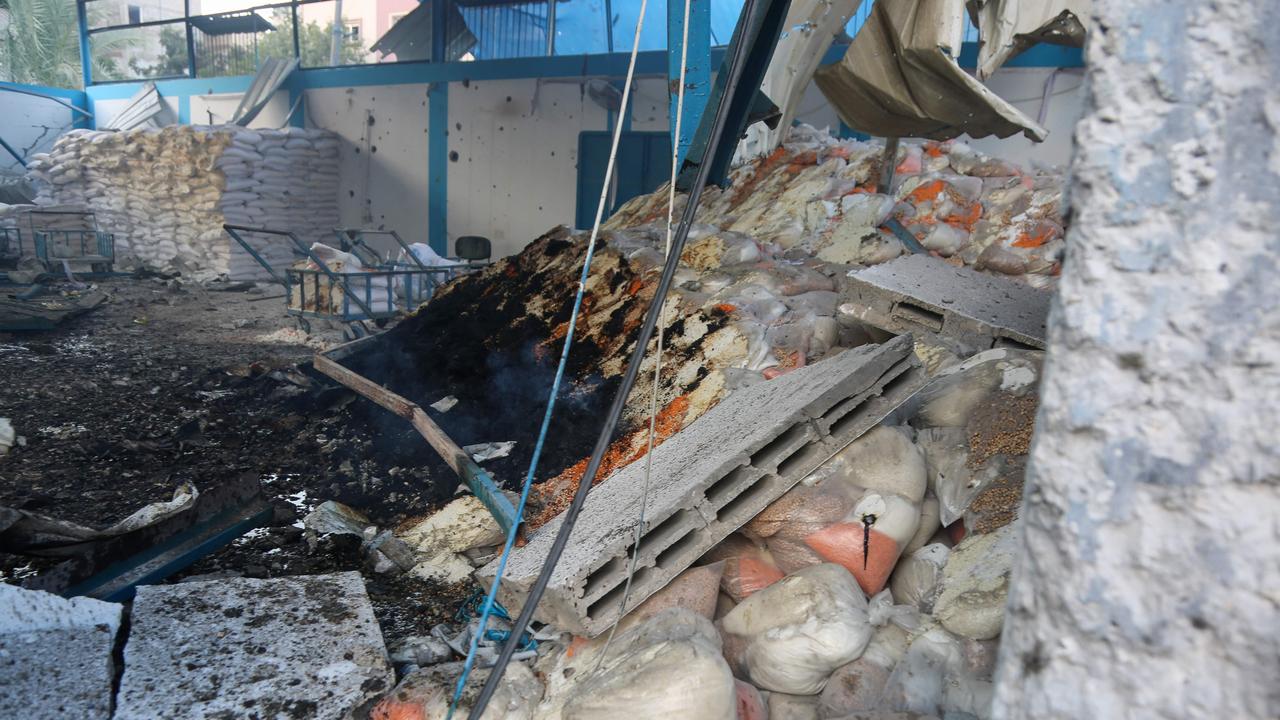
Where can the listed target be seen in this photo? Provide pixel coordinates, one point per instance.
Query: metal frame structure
(86, 245)
(366, 295)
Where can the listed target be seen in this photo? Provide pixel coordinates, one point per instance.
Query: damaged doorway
(644, 163)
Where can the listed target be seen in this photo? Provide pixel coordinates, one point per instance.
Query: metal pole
(608, 24)
(439, 17)
(698, 73)
(551, 27)
(191, 38)
(888, 161)
(297, 44)
(336, 36)
(86, 60)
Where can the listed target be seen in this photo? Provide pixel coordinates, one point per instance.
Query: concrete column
(1149, 585)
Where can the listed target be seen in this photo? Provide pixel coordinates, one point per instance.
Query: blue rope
(490, 599)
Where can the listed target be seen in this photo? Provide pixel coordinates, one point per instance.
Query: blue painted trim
(1042, 55)
(697, 73)
(184, 109)
(438, 168)
(172, 88)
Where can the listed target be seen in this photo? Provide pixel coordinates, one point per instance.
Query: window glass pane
(137, 53)
(321, 46)
(41, 46)
(104, 13)
(238, 43)
(582, 26)
(653, 36)
(502, 30)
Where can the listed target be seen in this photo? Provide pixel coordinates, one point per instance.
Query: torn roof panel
(1008, 27)
(900, 78)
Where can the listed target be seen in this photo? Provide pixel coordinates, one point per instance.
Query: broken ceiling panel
(810, 28)
(1008, 27)
(410, 37)
(900, 78)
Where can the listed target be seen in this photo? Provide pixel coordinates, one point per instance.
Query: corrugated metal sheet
(142, 107)
(265, 84)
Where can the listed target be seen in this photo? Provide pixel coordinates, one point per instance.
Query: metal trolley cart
(353, 240)
(10, 244)
(54, 246)
(350, 297)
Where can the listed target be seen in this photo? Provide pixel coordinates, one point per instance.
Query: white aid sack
(917, 578)
(669, 666)
(790, 636)
(884, 460)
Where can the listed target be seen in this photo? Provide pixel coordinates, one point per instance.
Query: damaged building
(751, 360)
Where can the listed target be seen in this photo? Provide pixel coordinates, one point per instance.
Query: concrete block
(289, 647)
(707, 481)
(55, 655)
(965, 309)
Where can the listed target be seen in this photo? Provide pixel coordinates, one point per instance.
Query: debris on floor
(45, 312)
(836, 474)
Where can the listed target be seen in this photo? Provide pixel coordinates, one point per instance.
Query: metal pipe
(21, 161)
(86, 56)
(60, 101)
(191, 40)
(888, 162)
(337, 35)
(551, 27)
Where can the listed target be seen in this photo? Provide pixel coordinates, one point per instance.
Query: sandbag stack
(166, 192)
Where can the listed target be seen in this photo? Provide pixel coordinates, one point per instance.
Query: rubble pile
(739, 313)
(816, 196)
(876, 585)
(166, 192)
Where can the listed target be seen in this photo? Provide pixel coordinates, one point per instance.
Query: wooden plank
(348, 349)
(463, 464)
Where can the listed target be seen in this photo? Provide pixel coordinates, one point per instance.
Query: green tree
(240, 55)
(41, 45)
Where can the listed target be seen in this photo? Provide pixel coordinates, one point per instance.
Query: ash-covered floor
(169, 382)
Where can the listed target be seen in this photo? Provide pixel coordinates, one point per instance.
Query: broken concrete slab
(707, 481)
(287, 647)
(966, 310)
(55, 655)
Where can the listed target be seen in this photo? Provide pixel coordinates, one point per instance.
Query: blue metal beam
(86, 59)
(438, 168)
(698, 69)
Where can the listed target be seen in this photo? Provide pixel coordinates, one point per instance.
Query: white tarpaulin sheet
(900, 78)
(1007, 27)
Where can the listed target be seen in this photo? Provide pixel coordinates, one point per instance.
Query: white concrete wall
(383, 158)
(515, 173)
(30, 125)
(1024, 89)
(223, 106)
(1149, 580)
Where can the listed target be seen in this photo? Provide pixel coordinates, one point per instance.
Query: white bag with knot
(669, 666)
(790, 636)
